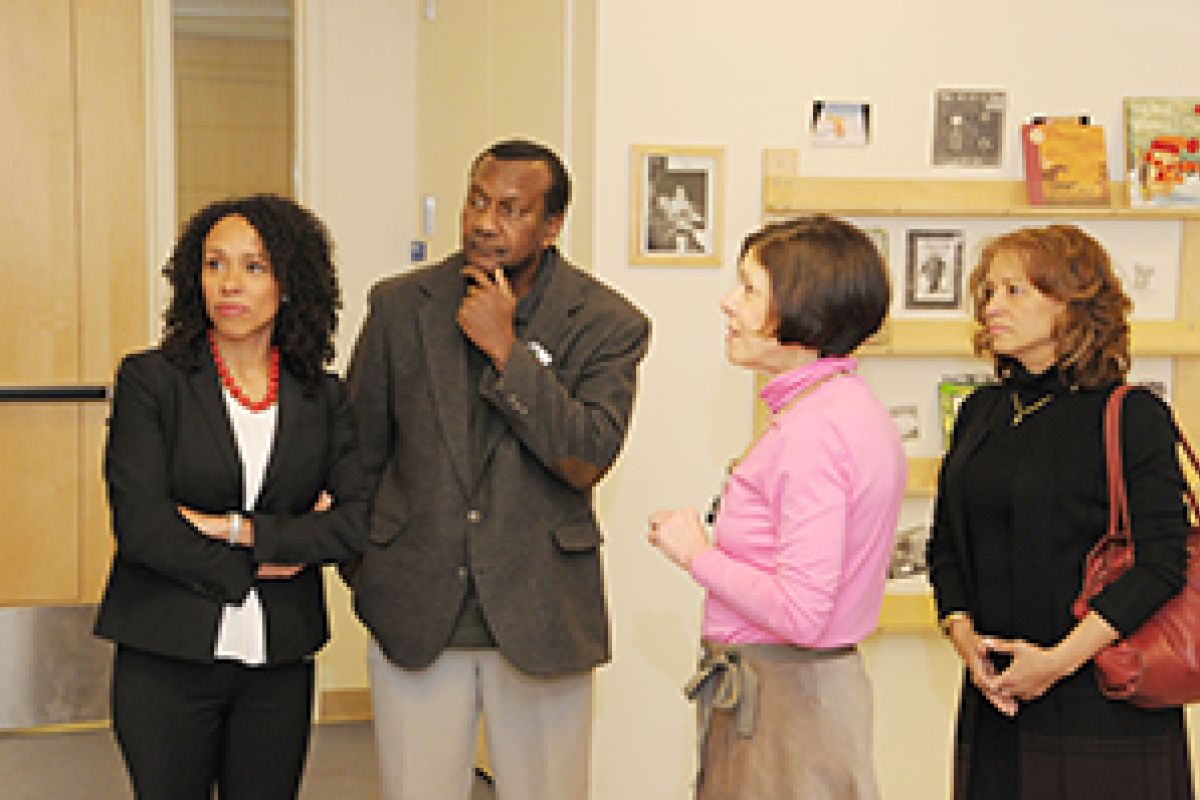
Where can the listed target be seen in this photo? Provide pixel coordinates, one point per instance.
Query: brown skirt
(811, 734)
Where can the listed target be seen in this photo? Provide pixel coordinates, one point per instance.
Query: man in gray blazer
(493, 391)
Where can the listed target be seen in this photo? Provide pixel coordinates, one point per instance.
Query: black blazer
(170, 443)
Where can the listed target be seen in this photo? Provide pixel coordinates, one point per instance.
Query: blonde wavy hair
(1091, 338)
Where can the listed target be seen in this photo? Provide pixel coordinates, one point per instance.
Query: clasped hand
(1033, 669)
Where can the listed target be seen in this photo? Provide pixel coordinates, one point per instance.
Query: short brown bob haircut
(1092, 337)
(829, 286)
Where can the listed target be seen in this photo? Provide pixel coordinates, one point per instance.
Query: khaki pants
(538, 729)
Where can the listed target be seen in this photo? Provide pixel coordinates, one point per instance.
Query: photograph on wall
(968, 127)
(908, 558)
(1162, 139)
(840, 124)
(933, 272)
(907, 421)
(675, 201)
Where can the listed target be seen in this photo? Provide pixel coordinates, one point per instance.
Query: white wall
(742, 75)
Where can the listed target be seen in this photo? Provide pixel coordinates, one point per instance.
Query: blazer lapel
(288, 423)
(563, 297)
(446, 360)
(206, 389)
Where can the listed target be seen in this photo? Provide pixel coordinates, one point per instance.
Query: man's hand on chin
(487, 311)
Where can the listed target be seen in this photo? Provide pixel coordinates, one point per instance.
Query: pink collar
(782, 388)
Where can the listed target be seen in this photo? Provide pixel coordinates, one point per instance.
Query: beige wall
(233, 127)
(695, 71)
(701, 72)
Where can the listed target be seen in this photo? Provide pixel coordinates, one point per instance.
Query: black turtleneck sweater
(1020, 505)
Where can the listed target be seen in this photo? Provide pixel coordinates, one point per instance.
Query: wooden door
(486, 70)
(72, 255)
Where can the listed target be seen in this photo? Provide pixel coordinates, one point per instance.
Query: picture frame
(839, 123)
(968, 127)
(934, 269)
(676, 205)
(908, 421)
(908, 558)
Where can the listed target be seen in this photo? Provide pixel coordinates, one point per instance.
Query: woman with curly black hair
(232, 475)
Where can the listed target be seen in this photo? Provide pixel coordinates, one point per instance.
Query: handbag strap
(1118, 500)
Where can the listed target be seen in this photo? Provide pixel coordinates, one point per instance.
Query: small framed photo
(840, 124)
(675, 205)
(933, 273)
(907, 421)
(908, 554)
(968, 127)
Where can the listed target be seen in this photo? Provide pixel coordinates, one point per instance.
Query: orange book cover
(1065, 163)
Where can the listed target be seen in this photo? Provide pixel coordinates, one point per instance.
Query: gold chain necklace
(1021, 411)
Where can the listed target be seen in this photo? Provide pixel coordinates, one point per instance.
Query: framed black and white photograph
(907, 420)
(934, 269)
(968, 127)
(840, 123)
(675, 205)
(908, 556)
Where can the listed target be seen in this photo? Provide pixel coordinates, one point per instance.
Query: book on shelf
(1065, 162)
(1162, 150)
(952, 390)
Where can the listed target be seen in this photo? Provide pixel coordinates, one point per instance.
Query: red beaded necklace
(228, 382)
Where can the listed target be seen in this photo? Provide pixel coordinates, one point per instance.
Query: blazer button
(462, 573)
(474, 516)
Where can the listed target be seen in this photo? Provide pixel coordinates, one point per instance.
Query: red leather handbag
(1158, 665)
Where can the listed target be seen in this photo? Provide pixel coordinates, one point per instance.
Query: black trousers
(184, 727)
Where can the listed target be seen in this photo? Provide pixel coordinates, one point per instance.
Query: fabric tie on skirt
(729, 684)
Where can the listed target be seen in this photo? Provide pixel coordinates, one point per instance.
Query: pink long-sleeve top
(807, 520)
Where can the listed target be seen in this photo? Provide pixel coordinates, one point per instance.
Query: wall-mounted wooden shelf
(952, 337)
(907, 613)
(922, 476)
(910, 197)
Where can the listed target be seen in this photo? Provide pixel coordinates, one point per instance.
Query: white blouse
(242, 635)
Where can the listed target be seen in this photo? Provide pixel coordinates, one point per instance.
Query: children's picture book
(1162, 150)
(952, 390)
(1065, 162)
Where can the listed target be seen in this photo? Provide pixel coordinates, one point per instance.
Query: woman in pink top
(803, 535)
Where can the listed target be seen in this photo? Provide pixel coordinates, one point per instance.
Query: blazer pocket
(577, 537)
(385, 527)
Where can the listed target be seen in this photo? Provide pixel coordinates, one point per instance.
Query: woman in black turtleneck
(1021, 499)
